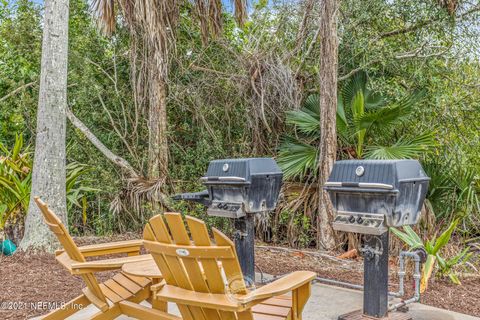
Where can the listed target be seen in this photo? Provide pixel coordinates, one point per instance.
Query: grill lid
(239, 171)
(381, 175)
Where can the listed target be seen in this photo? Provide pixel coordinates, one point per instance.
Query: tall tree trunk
(157, 128)
(49, 168)
(328, 109)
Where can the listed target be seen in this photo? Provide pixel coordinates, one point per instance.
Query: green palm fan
(367, 123)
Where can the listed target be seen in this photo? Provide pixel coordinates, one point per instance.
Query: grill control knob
(359, 220)
(351, 219)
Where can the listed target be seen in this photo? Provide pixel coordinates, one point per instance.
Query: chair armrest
(104, 265)
(219, 301)
(281, 286)
(128, 246)
(234, 303)
(156, 287)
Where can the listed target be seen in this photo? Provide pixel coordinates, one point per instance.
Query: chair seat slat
(117, 288)
(112, 296)
(281, 302)
(271, 310)
(127, 283)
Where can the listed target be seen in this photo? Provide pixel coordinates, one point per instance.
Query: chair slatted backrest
(195, 264)
(61, 232)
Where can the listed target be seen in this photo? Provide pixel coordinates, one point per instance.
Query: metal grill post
(245, 245)
(375, 296)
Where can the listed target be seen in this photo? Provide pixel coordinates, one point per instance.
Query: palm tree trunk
(328, 109)
(49, 168)
(157, 128)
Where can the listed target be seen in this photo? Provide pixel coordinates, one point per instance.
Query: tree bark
(328, 109)
(49, 167)
(157, 127)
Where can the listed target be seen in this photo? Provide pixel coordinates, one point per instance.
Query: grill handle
(202, 197)
(366, 185)
(223, 179)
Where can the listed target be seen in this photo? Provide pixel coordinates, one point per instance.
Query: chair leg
(147, 295)
(159, 305)
(300, 297)
(142, 295)
(113, 312)
(70, 308)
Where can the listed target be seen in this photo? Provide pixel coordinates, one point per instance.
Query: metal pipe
(340, 283)
(401, 276)
(346, 284)
(416, 276)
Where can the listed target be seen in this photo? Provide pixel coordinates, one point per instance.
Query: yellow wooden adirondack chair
(116, 296)
(205, 279)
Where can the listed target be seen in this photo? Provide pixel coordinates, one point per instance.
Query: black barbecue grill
(238, 189)
(240, 186)
(368, 197)
(371, 195)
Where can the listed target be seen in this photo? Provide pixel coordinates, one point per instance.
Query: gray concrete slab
(327, 303)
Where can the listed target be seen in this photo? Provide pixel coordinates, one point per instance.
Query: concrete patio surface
(327, 303)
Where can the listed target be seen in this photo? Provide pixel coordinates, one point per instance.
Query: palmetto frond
(359, 111)
(311, 105)
(404, 148)
(373, 100)
(388, 116)
(305, 122)
(342, 122)
(466, 182)
(297, 158)
(351, 88)
(440, 185)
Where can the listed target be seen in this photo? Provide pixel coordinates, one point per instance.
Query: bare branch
(309, 50)
(356, 70)
(424, 23)
(14, 92)
(101, 69)
(117, 130)
(124, 164)
(302, 32)
(417, 52)
(219, 73)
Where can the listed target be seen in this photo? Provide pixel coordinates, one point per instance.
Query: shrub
(16, 182)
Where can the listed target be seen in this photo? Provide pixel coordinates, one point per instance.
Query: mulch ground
(30, 284)
(444, 294)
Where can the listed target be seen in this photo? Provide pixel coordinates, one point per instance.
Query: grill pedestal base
(375, 275)
(358, 315)
(244, 237)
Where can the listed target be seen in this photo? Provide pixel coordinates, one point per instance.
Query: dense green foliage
(16, 182)
(433, 248)
(236, 96)
(364, 121)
